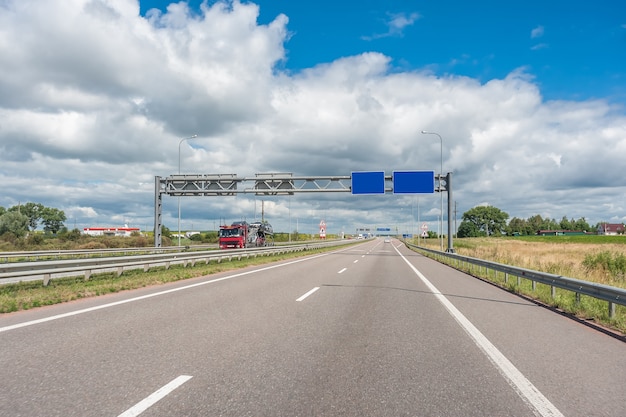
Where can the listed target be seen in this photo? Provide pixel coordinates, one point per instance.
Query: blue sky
(529, 101)
(575, 49)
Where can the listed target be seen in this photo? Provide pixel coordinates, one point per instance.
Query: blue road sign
(372, 182)
(413, 182)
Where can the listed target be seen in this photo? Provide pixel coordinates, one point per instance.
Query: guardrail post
(552, 291)
(506, 277)
(534, 285)
(46, 280)
(611, 310)
(577, 298)
(87, 274)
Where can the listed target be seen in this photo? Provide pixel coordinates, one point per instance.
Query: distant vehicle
(387, 240)
(245, 235)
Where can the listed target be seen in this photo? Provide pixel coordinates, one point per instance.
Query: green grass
(587, 239)
(32, 294)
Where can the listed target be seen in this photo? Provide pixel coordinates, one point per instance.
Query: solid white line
(149, 401)
(156, 294)
(308, 293)
(343, 270)
(524, 388)
(356, 260)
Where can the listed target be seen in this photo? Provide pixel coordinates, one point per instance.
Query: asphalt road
(371, 330)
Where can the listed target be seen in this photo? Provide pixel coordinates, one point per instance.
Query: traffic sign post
(361, 183)
(372, 182)
(413, 182)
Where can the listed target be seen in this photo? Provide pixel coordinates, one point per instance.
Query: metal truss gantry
(264, 184)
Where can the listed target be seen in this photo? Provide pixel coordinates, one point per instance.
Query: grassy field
(600, 259)
(32, 294)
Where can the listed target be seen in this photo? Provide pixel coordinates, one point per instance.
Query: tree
(14, 222)
(52, 219)
(565, 224)
(488, 220)
(467, 229)
(538, 223)
(535, 223)
(31, 210)
(582, 225)
(519, 226)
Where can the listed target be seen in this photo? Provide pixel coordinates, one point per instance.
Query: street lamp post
(180, 143)
(440, 177)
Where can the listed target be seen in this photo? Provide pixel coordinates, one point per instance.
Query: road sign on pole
(413, 182)
(370, 182)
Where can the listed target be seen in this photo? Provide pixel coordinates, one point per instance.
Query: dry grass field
(600, 259)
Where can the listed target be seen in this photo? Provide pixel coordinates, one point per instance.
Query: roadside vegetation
(32, 294)
(599, 259)
(485, 233)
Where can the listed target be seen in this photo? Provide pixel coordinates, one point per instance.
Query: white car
(387, 240)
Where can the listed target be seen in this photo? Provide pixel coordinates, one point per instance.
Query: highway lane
(373, 339)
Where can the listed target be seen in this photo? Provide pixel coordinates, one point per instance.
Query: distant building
(559, 232)
(110, 231)
(611, 229)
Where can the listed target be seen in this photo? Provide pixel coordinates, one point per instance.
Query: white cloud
(396, 23)
(87, 121)
(539, 46)
(537, 32)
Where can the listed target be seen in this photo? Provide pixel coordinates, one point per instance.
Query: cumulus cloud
(94, 99)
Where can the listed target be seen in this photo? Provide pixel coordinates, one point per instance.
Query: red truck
(244, 235)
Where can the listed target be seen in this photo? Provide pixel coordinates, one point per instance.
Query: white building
(110, 231)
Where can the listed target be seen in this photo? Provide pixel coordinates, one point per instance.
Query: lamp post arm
(180, 143)
(440, 178)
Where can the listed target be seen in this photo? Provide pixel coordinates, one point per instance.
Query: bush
(93, 245)
(9, 237)
(614, 264)
(35, 239)
(138, 241)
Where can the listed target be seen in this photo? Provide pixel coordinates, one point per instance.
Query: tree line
(23, 218)
(479, 221)
(489, 221)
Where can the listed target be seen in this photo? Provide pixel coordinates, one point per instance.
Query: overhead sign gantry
(266, 184)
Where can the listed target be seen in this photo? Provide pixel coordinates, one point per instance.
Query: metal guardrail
(613, 295)
(87, 266)
(22, 256)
